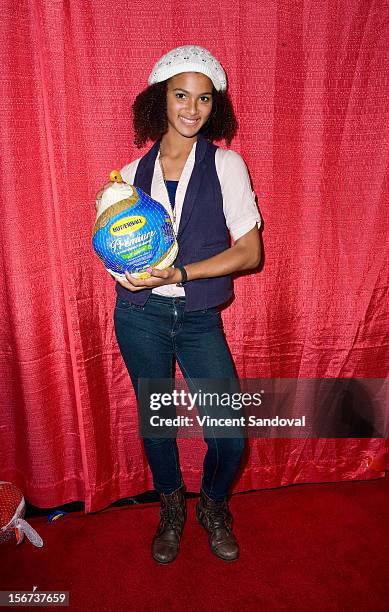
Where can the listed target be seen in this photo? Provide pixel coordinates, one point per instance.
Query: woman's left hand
(157, 279)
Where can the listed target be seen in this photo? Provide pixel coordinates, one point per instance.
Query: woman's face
(189, 103)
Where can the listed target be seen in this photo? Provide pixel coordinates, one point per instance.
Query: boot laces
(219, 516)
(171, 515)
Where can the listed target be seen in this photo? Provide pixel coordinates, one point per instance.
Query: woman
(174, 315)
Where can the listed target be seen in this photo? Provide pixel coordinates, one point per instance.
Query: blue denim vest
(202, 232)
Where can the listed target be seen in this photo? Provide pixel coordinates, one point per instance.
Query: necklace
(167, 192)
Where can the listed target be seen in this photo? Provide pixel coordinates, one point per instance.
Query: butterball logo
(127, 225)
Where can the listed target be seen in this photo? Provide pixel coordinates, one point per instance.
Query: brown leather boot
(216, 518)
(172, 518)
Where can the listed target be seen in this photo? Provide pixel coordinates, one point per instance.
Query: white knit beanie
(189, 58)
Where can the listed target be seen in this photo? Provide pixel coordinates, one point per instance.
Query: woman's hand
(158, 278)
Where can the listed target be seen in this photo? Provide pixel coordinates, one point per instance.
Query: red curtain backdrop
(309, 81)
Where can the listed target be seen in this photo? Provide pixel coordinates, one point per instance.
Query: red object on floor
(303, 547)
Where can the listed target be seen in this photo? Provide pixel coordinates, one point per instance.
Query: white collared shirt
(239, 206)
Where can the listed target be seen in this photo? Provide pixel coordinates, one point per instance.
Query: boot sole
(164, 562)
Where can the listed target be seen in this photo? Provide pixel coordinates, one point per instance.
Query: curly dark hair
(150, 116)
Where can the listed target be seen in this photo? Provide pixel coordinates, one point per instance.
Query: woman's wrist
(183, 276)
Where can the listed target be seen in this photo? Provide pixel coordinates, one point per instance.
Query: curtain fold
(309, 84)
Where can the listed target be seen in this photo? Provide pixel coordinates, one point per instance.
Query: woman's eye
(182, 96)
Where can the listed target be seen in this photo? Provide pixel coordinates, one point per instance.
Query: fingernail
(149, 270)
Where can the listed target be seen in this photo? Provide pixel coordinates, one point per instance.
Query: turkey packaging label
(132, 232)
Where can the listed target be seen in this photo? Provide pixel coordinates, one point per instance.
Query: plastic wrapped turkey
(132, 231)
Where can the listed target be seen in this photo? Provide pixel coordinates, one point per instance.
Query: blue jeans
(150, 339)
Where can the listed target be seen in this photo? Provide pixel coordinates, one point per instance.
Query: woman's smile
(188, 120)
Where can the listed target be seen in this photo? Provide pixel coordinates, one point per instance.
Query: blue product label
(135, 238)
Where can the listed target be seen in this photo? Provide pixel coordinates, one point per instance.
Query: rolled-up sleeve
(239, 205)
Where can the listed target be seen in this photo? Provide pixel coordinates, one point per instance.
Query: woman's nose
(192, 106)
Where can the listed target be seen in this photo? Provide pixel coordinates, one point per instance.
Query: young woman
(174, 314)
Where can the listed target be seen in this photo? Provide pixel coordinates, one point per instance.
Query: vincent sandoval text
(251, 421)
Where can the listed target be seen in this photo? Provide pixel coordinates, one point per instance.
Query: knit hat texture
(189, 58)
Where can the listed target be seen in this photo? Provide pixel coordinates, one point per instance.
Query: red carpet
(304, 547)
